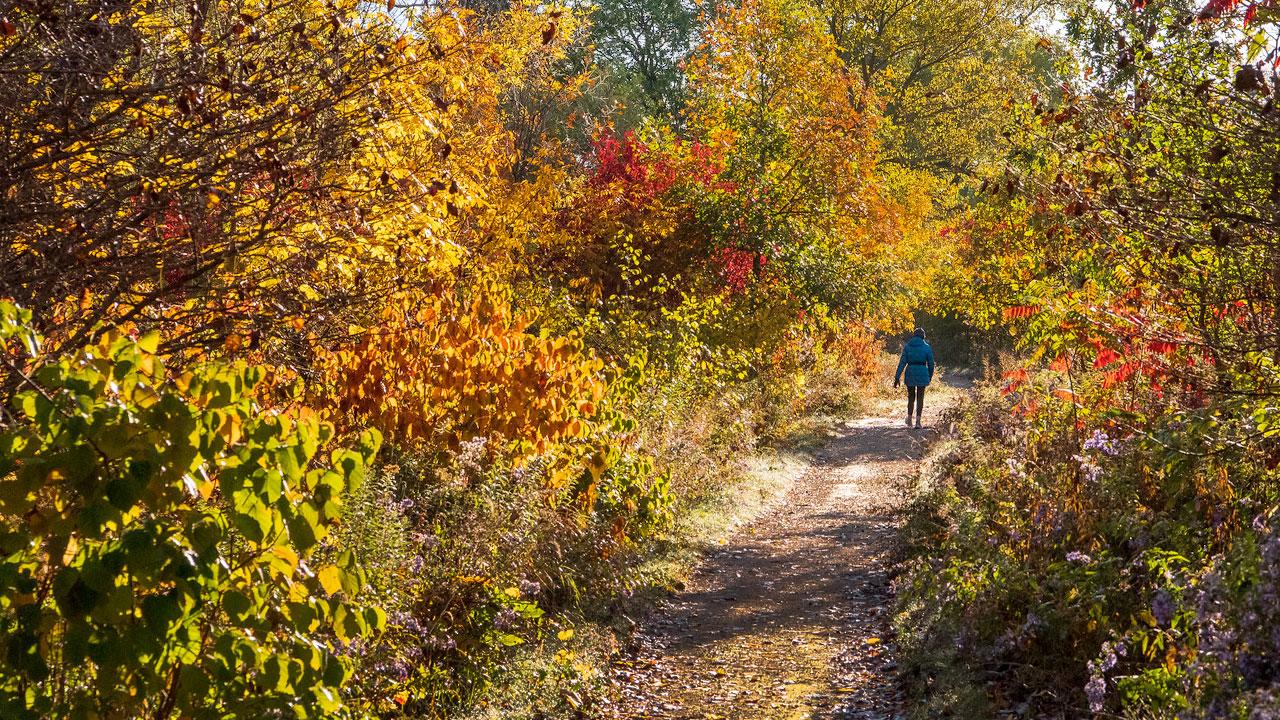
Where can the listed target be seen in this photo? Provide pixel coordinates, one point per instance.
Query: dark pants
(915, 396)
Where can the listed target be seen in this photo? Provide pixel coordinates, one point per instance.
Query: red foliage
(706, 164)
(626, 165)
(636, 174)
(627, 160)
(737, 267)
(1119, 375)
(1015, 380)
(1106, 356)
(1218, 8)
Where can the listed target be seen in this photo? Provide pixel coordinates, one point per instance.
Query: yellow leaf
(288, 558)
(69, 554)
(330, 579)
(232, 428)
(565, 635)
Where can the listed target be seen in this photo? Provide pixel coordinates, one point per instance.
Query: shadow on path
(790, 619)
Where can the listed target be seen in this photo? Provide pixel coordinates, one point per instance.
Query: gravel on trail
(790, 619)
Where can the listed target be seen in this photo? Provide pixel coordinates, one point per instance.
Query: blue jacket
(917, 358)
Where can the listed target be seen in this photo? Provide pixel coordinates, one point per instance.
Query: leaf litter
(789, 619)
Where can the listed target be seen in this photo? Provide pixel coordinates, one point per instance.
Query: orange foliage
(438, 370)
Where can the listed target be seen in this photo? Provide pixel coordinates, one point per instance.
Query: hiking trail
(790, 618)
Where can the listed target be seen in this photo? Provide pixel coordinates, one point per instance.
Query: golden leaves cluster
(441, 371)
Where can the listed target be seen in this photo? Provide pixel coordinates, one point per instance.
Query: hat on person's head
(920, 333)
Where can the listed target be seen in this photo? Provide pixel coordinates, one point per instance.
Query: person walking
(917, 360)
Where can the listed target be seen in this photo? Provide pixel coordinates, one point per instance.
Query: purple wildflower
(505, 619)
(1078, 557)
(1096, 691)
(1016, 467)
(1092, 472)
(1101, 442)
(442, 643)
(1259, 524)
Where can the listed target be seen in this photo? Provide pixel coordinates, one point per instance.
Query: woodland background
(366, 360)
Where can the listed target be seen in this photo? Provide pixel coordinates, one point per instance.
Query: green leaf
(327, 699)
(352, 576)
(348, 625)
(124, 472)
(30, 341)
(236, 604)
(161, 613)
(305, 527)
(15, 496)
(275, 673)
(304, 617)
(375, 619)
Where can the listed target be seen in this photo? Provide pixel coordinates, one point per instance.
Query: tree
(640, 46)
(252, 176)
(944, 71)
(1147, 215)
(770, 96)
(150, 147)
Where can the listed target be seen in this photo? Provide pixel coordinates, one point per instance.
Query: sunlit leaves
(439, 371)
(169, 525)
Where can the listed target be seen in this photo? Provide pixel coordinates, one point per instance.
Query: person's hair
(920, 333)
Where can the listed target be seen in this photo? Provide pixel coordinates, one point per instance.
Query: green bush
(157, 538)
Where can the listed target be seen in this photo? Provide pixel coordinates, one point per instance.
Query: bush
(1074, 561)
(485, 565)
(158, 540)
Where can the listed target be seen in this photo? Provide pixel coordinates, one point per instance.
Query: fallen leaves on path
(790, 620)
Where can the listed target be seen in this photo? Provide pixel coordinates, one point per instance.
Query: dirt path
(790, 619)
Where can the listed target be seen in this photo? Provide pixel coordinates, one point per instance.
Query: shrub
(1074, 559)
(483, 559)
(157, 537)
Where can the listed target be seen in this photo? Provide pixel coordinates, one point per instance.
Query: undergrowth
(1069, 564)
